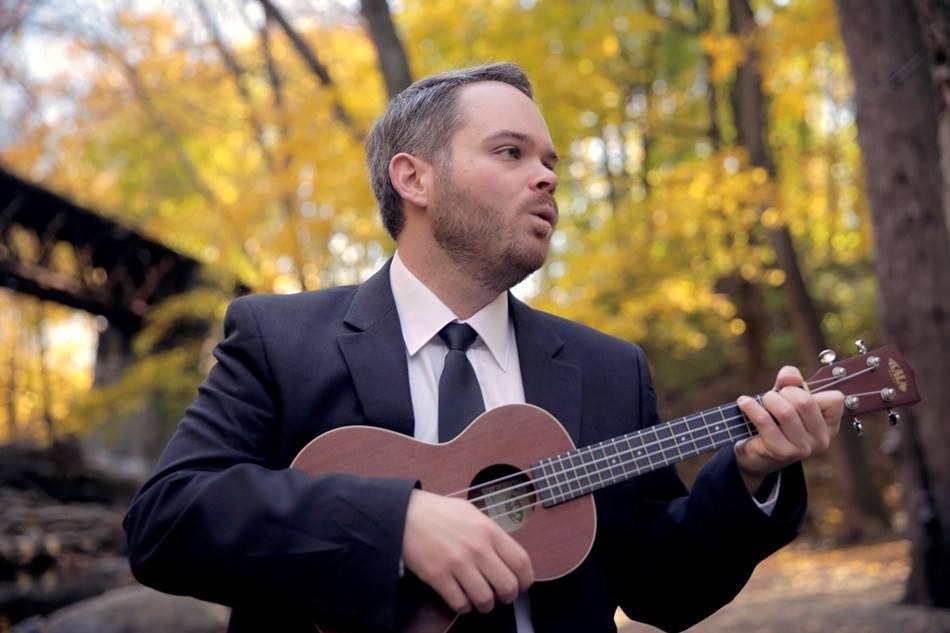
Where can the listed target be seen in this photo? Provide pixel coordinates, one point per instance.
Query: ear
(412, 178)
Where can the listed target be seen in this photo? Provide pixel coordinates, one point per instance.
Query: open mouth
(548, 214)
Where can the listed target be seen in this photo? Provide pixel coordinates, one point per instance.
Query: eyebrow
(519, 136)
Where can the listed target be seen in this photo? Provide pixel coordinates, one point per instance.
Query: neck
(457, 289)
(585, 470)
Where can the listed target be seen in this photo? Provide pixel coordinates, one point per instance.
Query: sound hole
(508, 502)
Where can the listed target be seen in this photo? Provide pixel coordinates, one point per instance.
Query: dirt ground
(850, 590)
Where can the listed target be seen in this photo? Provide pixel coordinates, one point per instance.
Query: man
(464, 169)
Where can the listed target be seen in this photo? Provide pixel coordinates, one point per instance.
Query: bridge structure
(55, 250)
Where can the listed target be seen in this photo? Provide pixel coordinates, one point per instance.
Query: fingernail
(743, 399)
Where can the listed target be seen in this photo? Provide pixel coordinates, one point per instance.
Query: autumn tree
(898, 132)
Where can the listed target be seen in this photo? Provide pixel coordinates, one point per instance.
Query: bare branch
(309, 56)
(239, 75)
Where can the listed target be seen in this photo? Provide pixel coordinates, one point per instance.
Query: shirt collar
(422, 314)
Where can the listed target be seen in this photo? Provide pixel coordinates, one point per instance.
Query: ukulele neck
(591, 468)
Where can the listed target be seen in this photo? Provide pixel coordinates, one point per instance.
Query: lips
(548, 213)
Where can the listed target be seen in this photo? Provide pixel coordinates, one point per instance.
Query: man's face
(492, 207)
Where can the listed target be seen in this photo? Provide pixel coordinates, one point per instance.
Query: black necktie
(460, 398)
(460, 402)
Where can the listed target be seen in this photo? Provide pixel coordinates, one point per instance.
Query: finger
(453, 595)
(476, 587)
(772, 437)
(516, 559)
(831, 405)
(811, 418)
(788, 376)
(503, 581)
(788, 420)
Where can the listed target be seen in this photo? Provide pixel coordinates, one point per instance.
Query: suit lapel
(375, 354)
(549, 383)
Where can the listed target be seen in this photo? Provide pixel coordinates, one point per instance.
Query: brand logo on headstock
(897, 374)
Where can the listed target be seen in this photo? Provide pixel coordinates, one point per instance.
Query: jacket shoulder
(574, 333)
(301, 309)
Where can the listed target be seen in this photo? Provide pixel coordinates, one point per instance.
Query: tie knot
(458, 336)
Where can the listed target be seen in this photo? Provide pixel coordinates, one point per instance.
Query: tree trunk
(898, 134)
(934, 18)
(13, 425)
(863, 508)
(389, 50)
(46, 395)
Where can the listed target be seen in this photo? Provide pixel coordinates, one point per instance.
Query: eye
(511, 152)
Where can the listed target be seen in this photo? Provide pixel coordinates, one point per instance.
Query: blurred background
(744, 183)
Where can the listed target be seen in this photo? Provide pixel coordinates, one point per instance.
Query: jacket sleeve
(219, 520)
(682, 554)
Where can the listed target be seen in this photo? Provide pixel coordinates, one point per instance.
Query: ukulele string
(622, 455)
(595, 461)
(843, 379)
(684, 419)
(647, 445)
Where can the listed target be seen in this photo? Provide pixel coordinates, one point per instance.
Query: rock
(132, 609)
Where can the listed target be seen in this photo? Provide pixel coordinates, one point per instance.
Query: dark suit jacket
(224, 519)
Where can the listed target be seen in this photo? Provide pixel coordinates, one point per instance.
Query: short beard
(461, 226)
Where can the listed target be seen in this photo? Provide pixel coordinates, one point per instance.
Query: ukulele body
(499, 443)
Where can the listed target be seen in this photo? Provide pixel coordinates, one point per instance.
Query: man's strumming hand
(793, 424)
(462, 554)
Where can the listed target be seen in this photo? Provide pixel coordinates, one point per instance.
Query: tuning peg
(857, 426)
(893, 417)
(827, 356)
(862, 348)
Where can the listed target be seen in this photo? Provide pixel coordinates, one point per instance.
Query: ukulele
(518, 465)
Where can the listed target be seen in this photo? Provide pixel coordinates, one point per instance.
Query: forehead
(488, 106)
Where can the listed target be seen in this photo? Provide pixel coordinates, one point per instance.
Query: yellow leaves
(775, 277)
(737, 326)
(644, 22)
(771, 218)
(727, 52)
(610, 45)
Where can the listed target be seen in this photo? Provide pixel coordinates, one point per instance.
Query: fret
(666, 442)
(634, 452)
(624, 459)
(550, 478)
(615, 470)
(593, 477)
(691, 438)
(706, 441)
(725, 424)
(562, 479)
(647, 450)
(541, 477)
(596, 465)
(676, 444)
(680, 437)
(597, 450)
(574, 475)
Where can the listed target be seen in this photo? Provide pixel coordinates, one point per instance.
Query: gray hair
(420, 121)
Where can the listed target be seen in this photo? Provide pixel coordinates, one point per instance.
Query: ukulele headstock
(871, 381)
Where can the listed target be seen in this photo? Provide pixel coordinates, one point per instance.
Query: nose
(545, 180)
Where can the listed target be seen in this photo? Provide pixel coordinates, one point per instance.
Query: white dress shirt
(493, 355)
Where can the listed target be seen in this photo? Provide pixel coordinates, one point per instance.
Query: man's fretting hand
(462, 554)
(793, 424)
